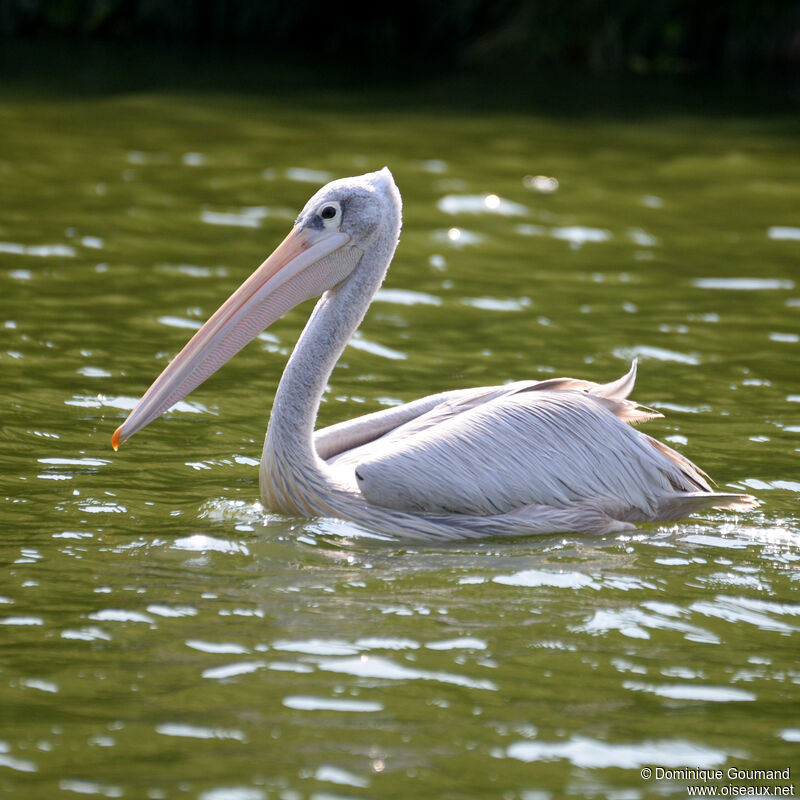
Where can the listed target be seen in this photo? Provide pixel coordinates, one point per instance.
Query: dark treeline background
(661, 36)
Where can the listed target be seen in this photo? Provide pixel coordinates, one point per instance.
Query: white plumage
(529, 457)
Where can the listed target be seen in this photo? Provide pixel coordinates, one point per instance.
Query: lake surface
(164, 636)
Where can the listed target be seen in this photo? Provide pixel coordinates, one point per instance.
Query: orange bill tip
(115, 443)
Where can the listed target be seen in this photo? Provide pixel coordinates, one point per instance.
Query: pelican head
(336, 227)
(359, 207)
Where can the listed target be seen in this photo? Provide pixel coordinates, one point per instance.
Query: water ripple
(407, 297)
(322, 647)
(338, 775)
(751, 611)
(307, 703)
(480, 204)
(576, 235)
(21, 620)
(193, 271)
(120, 615)
(583, 751)
(244, 218)
(40, 685)
(234, 669)
(230, 218)
(464, 643)
(304, 175)
(225, 648)
(496, 304)
(536, 578)
(644, 351)
(180, 322)
(386, 643)
(689, 691)
(38, 250)
(17, 764)
(202, 543)
(743, 284)
(635, 623)
(383, 668)
(457, 237)
(783, 233)
(579, 235)
(359, 342)
(124, 403)
(237, 793)
(198, 731)
(88, 634)
(161, 610)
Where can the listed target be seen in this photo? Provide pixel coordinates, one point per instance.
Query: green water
(163, 636)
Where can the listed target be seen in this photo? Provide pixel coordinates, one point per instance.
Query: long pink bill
(304, 265)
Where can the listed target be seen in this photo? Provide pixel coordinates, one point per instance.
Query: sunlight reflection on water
(154, 612)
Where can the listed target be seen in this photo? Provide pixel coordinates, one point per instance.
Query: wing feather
(336, 441)
(549, 446)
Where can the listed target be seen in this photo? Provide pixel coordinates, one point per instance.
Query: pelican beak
(307, 263)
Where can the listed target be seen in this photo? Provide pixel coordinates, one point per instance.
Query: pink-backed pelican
(527, 457)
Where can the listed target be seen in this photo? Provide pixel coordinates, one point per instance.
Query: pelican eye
(330, 214)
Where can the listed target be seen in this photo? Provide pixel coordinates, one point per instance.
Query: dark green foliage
(660, 36)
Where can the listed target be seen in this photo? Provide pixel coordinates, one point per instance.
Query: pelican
(529, 457)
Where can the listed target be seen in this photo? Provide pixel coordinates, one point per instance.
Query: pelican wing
(554, 443)
(338, 442)
(347, 441)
